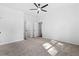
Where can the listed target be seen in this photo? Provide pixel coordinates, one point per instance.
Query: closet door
(28, 26)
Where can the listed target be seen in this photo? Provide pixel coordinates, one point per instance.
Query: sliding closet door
(28, 26)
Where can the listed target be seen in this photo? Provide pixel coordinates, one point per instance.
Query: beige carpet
(39, 47)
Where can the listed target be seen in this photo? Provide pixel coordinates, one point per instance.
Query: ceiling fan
(39, 8)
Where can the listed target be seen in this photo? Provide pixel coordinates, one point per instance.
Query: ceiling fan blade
(37, 11)
(43, 10)
(44, 6)
(33, 9)
(36, 5)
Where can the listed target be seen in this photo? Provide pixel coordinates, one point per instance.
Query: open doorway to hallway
(40, 29)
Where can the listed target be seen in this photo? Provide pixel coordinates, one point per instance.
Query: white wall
(11, 25)
(62, 23)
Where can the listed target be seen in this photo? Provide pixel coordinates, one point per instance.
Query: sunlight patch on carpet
(53, 41)
(47, 45)
(52, 51)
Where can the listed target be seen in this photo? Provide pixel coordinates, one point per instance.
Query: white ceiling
(21, 6)
(26, 6)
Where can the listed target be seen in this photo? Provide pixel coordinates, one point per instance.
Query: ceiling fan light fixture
(40, 8)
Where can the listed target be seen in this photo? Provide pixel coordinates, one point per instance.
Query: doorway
(40, 29)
